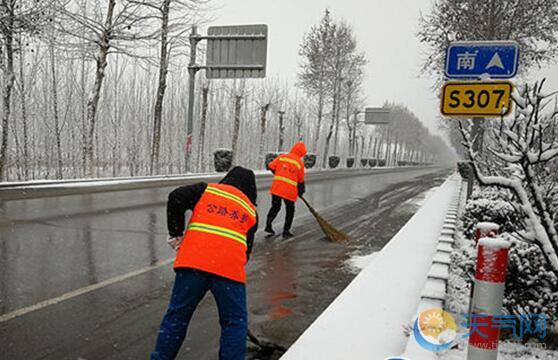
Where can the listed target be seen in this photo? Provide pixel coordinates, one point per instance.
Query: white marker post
(490, 279)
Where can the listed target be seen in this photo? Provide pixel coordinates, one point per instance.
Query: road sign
(376, 116)
(236, 51)
(477, 98)
(472, 59)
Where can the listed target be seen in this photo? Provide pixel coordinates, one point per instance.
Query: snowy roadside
(457, 304)
(379, 303)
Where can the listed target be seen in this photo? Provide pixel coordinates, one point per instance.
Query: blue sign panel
(497, 59)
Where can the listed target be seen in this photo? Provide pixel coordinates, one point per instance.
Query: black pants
(276, 207)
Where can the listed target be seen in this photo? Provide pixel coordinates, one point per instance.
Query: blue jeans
(190, 287)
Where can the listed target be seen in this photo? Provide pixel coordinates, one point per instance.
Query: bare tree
(521, 158)
(175, 17)
(17, 17)
(345, 62)
(315, 51)
(104, 31)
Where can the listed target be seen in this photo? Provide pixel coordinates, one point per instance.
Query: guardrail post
(490, 278)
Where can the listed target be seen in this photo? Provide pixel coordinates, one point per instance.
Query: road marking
(84, 290)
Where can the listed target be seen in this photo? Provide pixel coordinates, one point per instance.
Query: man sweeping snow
(287, 186)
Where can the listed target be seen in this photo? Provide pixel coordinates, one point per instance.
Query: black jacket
(186, 198)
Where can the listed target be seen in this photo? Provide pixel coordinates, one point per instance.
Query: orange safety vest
(215, 240)
(289, 171)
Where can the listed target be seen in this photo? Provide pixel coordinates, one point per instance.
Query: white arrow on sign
(496, 62)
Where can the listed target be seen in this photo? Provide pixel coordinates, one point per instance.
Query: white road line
(84, 290)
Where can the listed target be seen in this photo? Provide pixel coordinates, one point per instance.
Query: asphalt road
(88, 276)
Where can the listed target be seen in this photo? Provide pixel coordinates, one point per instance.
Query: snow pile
(357, 263)
(367, 320)
(486, 227)
(495, 243)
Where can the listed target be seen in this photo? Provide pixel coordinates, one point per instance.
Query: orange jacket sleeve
(273, 165)
(301, 173)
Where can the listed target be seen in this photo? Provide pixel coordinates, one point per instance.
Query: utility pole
(192, 70)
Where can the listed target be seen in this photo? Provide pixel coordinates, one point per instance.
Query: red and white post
(490, 278)
(486, 229)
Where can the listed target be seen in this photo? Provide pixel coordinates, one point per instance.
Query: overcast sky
(385, 30)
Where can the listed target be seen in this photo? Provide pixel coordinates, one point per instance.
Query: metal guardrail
(42, 189)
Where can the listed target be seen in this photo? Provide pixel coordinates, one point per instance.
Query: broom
(332, 233)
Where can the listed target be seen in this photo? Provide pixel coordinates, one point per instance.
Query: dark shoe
(269, 230)
(287, 234)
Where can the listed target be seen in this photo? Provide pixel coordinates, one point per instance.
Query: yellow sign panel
(477, 98)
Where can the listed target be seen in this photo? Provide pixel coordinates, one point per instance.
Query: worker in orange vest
(287, 185)
(211, 256)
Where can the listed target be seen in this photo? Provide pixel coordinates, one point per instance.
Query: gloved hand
(301, 188)
(174, 242)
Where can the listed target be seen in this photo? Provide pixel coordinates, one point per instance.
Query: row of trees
(97, 88)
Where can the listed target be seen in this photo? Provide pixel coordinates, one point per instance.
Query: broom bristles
(332, 233)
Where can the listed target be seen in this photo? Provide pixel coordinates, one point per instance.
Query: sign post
(232, 52)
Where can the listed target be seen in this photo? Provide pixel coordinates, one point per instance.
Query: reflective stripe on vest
(239, 201)
(218, 230)
(284, 179)
(290, 161)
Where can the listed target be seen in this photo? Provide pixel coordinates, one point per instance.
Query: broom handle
(308, 205)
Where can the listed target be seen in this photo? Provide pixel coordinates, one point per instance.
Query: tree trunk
(8, 82)
(162, 85)
(319, 125)
(236, 129)
(23, 99)
(375, 148)
(55, 110)
(395, 149)
(201, 145)
(93, 102)
(331, 125)
(263, 122)
(298, 127)
(281, 131)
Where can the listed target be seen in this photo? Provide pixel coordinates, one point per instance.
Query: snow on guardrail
(40, 189)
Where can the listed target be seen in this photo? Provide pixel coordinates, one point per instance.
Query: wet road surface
(99, 280)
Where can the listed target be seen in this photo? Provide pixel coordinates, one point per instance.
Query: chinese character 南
(466, 60)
